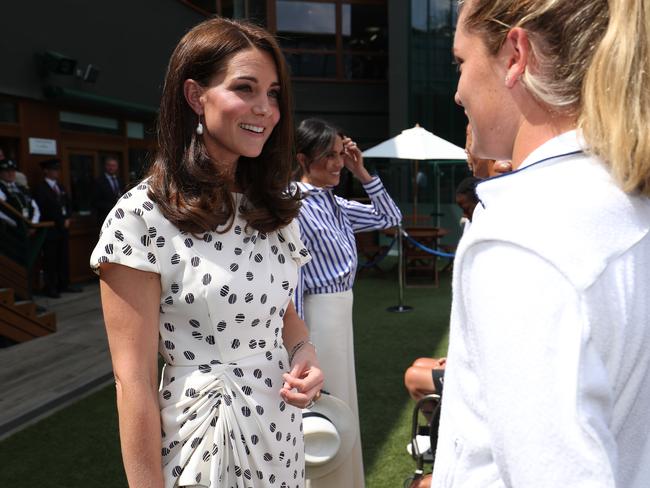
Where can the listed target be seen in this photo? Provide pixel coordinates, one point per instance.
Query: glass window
(365, 27)
(432, 76)
(138, 165)
(365, 67)
(434, 15)
(88, 123)
(350, 37)
(232, 8)
(432, 84)
(134, 130)
(209, 6)
(306, 17)
(82, 177)
(306, 25)
(9, 148)
(257, 12)
(253, 10)
(8, 111)
(312, 65)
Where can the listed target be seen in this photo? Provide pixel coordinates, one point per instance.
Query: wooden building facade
(81, 81)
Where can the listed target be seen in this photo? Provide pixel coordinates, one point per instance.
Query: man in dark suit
(54, 203)
(108, 189)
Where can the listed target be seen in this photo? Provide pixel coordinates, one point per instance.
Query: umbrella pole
(415, 194)
(437, 173)
(400, 307)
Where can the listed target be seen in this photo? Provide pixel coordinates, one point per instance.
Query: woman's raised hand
(353, 160)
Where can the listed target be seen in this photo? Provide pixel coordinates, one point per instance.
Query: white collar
(309, 188)
(51, 182)
(564, 143)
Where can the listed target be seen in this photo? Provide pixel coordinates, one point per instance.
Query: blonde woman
(547, 380)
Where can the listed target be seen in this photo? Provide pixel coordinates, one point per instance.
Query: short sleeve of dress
(126, 238)
(297, 249)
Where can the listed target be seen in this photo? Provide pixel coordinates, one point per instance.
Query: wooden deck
(46, 374)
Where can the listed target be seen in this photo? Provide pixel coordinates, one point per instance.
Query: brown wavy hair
(191, 189)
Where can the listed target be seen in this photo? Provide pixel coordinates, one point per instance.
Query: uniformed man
(17, 195)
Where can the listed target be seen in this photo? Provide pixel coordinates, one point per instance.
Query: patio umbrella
(416, 144)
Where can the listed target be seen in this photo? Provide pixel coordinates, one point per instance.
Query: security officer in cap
(55, 206)
(16, 195)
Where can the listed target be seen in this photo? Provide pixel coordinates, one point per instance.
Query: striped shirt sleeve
(381, 213)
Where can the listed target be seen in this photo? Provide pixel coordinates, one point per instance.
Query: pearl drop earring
(199, 127)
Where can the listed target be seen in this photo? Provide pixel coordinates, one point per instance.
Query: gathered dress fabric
(222, 304)
(324, 296)
(547, 380)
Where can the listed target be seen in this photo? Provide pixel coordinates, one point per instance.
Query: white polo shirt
(548, 373)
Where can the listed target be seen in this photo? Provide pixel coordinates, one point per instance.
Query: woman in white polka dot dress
(199, 262)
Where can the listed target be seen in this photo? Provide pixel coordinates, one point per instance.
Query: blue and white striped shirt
(327, 226)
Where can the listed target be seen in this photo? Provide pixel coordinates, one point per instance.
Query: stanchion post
(400, 307)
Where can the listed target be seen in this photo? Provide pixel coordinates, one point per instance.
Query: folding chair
(424, 435)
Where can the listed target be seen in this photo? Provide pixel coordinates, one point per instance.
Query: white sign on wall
(46, 147)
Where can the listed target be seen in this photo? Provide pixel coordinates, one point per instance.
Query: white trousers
(329, 318)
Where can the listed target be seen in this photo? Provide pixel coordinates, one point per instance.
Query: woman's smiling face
(240, 107)
(483, 94)
(326, 171)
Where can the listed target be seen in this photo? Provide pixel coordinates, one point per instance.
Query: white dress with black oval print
(223, 298)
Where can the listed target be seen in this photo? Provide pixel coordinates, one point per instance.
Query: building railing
(21, 242)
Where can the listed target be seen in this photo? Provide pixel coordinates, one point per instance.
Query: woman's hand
(303, 383)
(502, 166)
(353, 160)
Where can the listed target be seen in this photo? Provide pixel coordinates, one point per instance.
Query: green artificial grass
(385, 345)
(78, 447)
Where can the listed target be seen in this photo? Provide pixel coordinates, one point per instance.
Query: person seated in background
(15, 194)
(466, 198)
(426, 375)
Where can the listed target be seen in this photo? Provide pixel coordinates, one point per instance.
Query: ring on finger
(310, 404)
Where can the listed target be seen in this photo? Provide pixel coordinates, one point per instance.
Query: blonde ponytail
(593, 60)
(615, 112)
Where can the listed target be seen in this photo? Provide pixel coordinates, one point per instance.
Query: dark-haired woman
(327, 224)
(199, 262)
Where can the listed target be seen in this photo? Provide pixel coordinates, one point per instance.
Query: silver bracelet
(298, 347)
